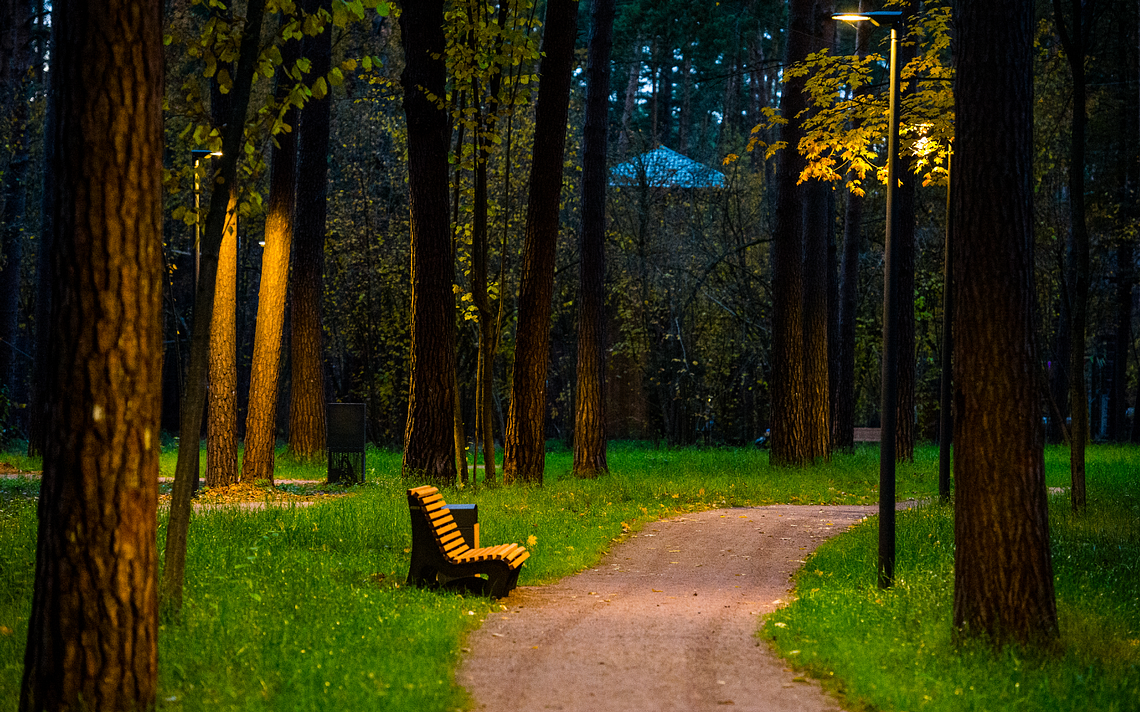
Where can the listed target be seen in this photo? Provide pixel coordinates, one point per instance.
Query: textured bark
(265, 371)
(633, 83)
(307, 390)
(221, 411)
(903, 239)
(429, 437)
(817, 221)
(1003, 574)
(844, 400)
(789, 435)
(15, 80)
(1074, 38)
(194, 398)
(93, 631)
(524, 454)
(1125, 277)
(590, 392)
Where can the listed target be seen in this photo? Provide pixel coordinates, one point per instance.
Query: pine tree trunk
(524, 456)
(93, 630)
(307, 379)
(221, 413)
(590, 392)
(261, 417)
(789, 435)
(904, 247)
(429, 438)
(1003, 574)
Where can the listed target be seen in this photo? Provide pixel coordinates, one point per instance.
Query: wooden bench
(441, 555)
(867, 435)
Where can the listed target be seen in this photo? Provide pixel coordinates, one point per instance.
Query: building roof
(665, 168)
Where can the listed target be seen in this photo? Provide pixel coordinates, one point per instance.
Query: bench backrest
(430, 518)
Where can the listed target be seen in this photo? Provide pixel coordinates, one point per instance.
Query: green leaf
(320, 88)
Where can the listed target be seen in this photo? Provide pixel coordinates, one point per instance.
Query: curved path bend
(666, 621)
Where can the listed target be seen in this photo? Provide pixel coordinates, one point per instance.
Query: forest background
(688, 278)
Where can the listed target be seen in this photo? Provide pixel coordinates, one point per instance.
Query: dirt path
(665, 622)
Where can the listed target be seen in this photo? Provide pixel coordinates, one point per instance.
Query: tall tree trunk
(265, 370)
(789, 435)
(93, 632)
(1074, 37)
(817, 221)
(1118, 395)
(525, 446)
(15, 81)
(844, 401)
(194, 398)
(307, 379)
(1003, 574)
(903, 238)
(221, 412)
(590, 393)
(429, 437)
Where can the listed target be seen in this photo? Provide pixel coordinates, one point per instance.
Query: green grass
(305, 608)
(893, 650)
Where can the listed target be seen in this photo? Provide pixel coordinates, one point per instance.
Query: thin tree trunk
(631, 87)
(1073, 39)
(221, 413)
(525, 447)
(429, 438)
(194, 398)
(265, 371)
(1118, 395)
(789, 435)
(590, 393)
(306, 337)
(93, 631)
(1003, 574)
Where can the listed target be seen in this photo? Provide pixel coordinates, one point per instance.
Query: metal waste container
(346, 438)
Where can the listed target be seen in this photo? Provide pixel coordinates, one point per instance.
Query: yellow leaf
(531, 540)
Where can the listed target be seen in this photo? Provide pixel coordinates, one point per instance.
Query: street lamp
(889, 403)
(198, 154)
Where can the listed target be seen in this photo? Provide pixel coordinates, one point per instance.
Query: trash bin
(346, 438)
(466, 517)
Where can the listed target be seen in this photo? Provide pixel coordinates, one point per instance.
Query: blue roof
(665, 168)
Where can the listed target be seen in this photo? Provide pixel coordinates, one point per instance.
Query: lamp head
(876, 18)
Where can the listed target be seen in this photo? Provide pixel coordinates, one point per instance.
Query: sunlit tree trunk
(307, 379)
(1003, 574)
(789, 435)
(194, 397)
(429, 438)
(524, 455)
(221, 414)
(261, 418)
(93, 630)
(590, 406)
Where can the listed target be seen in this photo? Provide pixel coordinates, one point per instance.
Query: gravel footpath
(666, 621)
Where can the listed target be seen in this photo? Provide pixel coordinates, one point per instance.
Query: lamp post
(197, 154)
(889, 402)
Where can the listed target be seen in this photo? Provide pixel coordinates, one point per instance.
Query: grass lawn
(305, 608)
(892, 649)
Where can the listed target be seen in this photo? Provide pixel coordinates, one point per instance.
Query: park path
(666, 621)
